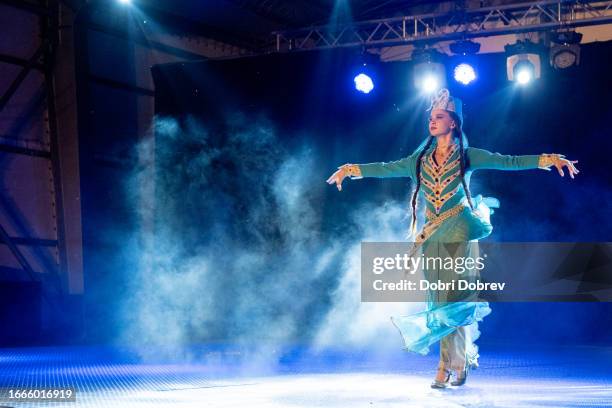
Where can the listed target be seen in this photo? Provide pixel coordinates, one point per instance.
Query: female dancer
(441, 168)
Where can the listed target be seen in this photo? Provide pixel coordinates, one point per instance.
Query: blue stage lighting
(430, 83)
(524, 72)
(363, 83)
(523, 63)
(124, 1)
(464, 73)
(428, 70)
(429, 76)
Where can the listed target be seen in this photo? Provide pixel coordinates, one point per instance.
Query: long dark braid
(418, 181)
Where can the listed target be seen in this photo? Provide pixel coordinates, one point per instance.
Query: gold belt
(432, 224)
(451, 212)
(434, 221)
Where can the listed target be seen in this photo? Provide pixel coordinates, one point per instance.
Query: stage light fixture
(429, 73)
(565, 50)
(464, 73)
(522, 62)
(465, 47)
(430, 84)
(524, 72)
(363, 83)
(364, 70)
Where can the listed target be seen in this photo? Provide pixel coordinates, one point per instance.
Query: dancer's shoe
(441, 384)
(462, 376)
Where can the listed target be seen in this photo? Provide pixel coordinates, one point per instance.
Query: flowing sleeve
(484, 159)
(400, 168)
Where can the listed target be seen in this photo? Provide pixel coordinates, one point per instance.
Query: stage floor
(223, 377)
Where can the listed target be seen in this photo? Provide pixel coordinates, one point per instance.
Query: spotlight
(363, 83)
(429, 73)
(523, 72)
(464, 73)
(124, 1)
(364, 70)
(522, 62)
(565, 50)
(430, 83)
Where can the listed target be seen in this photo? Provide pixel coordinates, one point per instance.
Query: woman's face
(440, 122)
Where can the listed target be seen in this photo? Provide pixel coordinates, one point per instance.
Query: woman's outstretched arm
(484, 159)
(400, 168)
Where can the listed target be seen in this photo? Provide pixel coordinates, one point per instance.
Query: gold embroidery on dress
(451, 212)
(436, 172)
(442, 184)
(438, 201)
(433, 163)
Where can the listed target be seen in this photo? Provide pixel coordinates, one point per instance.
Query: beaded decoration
(444, 100)
(352, 170)
(436, 173)
(547, 160)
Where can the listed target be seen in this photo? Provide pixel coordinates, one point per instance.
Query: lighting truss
(466, 23)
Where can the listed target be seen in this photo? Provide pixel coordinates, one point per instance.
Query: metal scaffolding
(464, 23)
(41, 60)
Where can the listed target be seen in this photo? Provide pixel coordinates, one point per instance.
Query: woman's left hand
(559, 161)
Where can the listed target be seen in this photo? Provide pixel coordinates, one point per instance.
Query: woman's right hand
(338, 176)
(346, 170)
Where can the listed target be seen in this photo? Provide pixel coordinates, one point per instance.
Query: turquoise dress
(449, 219)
